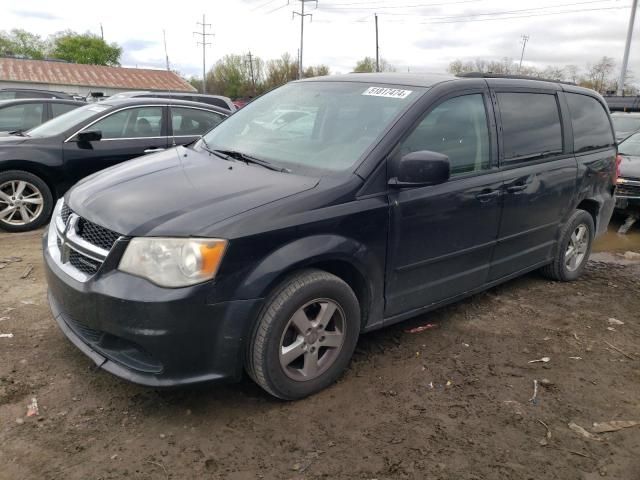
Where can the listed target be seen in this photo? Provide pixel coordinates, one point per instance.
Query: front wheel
(25, 201)
(574, 248)
(305, 335)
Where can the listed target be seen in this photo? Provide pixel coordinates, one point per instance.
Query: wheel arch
(592, 207)
(343, 257)
(34, 168)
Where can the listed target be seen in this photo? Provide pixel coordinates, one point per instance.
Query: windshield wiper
(250, 159)
(217, 153)
(19, 133)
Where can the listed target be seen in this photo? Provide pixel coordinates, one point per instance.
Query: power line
(262, 5)
(532, 9)
(276, 9)
(345, 7)
(504, 18)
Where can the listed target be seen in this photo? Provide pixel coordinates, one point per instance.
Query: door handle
(153, 149)
(487, 195)
(516, 188)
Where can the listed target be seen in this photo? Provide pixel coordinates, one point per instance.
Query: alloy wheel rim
(577, 248)
(21, 202)
(312, 339)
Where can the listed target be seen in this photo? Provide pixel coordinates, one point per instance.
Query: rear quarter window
(530, 125)
(590, 122)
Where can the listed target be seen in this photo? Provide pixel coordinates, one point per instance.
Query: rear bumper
(150, 335)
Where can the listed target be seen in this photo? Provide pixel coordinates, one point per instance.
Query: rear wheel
(574, 248)
(305, 335)
(25, 201)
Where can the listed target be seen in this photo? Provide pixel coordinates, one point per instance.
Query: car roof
(4, 103)
(407, 79)
(125, 102)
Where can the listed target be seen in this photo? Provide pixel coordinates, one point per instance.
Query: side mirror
(418, 169)
(89, 136)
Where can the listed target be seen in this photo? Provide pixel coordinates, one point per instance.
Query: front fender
(313, 251)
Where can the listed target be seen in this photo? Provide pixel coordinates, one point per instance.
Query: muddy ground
(452, 402)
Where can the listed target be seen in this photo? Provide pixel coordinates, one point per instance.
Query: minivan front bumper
(147, 334)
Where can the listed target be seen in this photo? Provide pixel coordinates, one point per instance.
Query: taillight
(617, 174)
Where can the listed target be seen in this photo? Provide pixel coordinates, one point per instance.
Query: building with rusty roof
(83, 80)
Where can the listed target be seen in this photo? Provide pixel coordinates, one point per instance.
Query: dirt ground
(452, 402)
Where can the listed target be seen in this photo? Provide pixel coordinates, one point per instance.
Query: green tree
(316, 71)
(85, 48)
(22, 43)
(368, 65)
(280, 71)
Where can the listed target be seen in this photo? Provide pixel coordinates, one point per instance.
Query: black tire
(263, 350)
(36, 183)
(558, 269)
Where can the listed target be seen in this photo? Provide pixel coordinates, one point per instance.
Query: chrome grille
(97, 235)
(78, 245)
(84, 264)
(64, 213)
(628, 189)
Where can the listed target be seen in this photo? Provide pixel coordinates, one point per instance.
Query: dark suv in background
(215, 100)
(270, 246)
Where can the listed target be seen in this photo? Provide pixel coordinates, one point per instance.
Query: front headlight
(173, 262)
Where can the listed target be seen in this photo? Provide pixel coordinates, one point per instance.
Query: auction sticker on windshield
(387, 92)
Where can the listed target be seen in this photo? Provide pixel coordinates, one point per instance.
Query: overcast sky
(420, 35)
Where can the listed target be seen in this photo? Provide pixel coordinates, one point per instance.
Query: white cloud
(342, 31)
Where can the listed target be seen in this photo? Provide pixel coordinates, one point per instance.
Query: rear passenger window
(59, 108)
(591, 127)
(530, 125)
(456, 128)
(192, 121)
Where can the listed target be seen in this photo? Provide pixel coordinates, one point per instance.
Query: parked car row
(22, 115)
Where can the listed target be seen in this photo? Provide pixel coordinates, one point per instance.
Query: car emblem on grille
(70, 225)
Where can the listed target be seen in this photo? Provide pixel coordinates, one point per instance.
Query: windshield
(625, 124)
(313, 127)
(631, 146)
(66, 121)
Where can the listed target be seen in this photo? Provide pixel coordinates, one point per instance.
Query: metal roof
(62, 73)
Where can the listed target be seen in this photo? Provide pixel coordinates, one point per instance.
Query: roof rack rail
(515, 77)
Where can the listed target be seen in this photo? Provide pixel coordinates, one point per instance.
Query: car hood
(178, 192)
(630, 167)
(7, 139)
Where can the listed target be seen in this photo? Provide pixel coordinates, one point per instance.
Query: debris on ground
(575, 358)
(631, 255)
(583, 433)
(540, 360)
(619, 350)
(615, 321)
(534, 398)
(6, 335)
(421, 328)
(27, 272)
(32, 408)
(545, 441)
(613, 426)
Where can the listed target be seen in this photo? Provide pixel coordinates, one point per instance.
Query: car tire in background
(574, 248)
(305, 335)
(26, 201)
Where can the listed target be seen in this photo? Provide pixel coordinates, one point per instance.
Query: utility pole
(253, 78)
(302, 15)
(377, 47)
(627, 47)
(101, 32)
(166, 55)
(203, 36)
(525, 39)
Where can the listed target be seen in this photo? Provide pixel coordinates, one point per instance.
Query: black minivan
(269, 246)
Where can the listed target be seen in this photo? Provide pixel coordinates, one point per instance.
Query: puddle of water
(612, 242)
